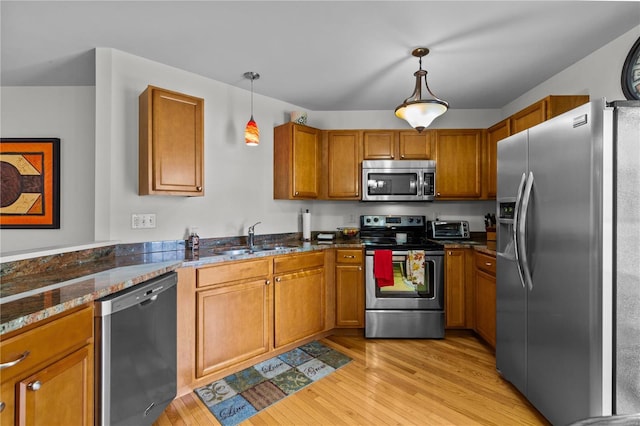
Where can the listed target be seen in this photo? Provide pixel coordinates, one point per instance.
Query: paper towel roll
(306, 226)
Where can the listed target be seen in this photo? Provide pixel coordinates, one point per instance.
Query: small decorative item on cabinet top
(299, 117)
(30, 169)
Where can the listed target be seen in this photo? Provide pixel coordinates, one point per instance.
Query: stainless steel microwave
(448, 230)
(398, 180)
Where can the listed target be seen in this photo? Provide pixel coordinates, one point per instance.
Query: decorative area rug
(243, 394)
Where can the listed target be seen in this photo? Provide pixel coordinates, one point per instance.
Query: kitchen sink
(247, 250)
(235, 252)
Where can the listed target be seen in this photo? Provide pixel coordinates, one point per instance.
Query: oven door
(418, 281)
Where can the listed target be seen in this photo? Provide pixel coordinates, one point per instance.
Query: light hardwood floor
(392, 382)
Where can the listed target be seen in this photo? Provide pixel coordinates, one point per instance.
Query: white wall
(66, 113)
(238, 179)
(597, 75)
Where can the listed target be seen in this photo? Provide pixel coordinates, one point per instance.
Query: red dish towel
(383, 267)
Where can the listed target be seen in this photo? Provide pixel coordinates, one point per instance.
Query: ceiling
(319, 55)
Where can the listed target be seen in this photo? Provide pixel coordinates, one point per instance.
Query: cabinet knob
(267, 282)
(438, 194)
(198, 188)
(278, 279)
(34, 386)
(296, 193)
(359, 268)
(1, 406)
(402, 156)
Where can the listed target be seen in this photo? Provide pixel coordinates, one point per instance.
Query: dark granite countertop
(36, 289)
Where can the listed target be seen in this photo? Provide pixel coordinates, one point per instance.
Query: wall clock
(630, 78)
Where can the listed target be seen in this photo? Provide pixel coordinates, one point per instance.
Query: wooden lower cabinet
(454, 309)
(458, 288)
(485, 295)
(349, 288)
(247, 308)
(233, 324)
(298, 305)
(53, 382)
(233, 319)
(299, 297)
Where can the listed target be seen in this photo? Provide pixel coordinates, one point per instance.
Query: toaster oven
(448, 230)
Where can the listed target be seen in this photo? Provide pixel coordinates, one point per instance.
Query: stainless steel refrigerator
(568, 267)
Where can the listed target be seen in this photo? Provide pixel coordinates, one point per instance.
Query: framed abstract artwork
(30, 174)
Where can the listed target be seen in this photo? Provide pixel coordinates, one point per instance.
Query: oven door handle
(406, 252)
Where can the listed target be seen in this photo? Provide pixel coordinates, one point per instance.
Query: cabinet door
(486, 306)
(297, 162)
(455, 273)
(232, 324)
(61, 393)
(528, 117)
(349, 296)
(299, 305)
(494, 134)
(379, 145)
(343, 165)
(414, 145)
(171, 143)
(307, 159)
(459, 164)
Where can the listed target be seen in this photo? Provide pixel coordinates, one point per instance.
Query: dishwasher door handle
(149, 300)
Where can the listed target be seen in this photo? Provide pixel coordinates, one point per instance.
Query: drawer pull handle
(487, 263)
(349, 257)
(34, 386)
(12, 363)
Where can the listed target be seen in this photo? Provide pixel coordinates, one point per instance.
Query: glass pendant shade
(252, 133)
(420, 112)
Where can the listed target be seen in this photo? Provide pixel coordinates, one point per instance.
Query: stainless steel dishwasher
(136, 352)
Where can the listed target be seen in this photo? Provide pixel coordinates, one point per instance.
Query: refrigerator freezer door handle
(522, 229)
(516, 219)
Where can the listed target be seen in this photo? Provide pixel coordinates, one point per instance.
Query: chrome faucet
(252, 234)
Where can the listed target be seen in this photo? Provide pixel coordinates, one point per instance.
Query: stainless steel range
(404, 278)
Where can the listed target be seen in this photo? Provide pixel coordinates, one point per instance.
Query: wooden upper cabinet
(415, 146)
(297, 162)
(171, 141)
(396, 145)
(544, 109)
(458, 155)
(494, 134)
(379, 145)
(342, 164)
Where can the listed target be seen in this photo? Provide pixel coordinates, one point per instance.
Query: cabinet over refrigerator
(568, 274)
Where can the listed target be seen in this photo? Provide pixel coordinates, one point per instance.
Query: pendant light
(419, 112)
(251, 132)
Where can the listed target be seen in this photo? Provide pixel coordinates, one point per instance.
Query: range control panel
(373, 221)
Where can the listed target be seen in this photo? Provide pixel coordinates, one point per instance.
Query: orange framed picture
(30, 174)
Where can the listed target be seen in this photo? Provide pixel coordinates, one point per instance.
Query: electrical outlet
(143, 221)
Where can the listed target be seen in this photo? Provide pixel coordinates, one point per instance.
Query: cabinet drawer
(47, 342)
(233, 271)
(486, 263)
(298, 261)
(349, 256)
